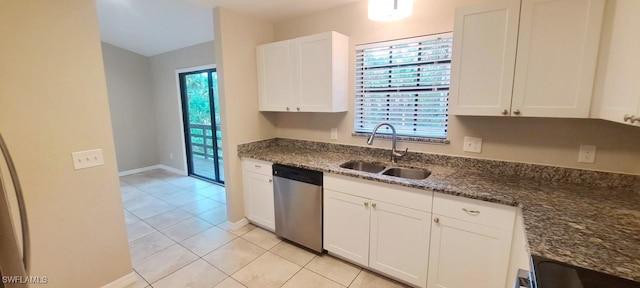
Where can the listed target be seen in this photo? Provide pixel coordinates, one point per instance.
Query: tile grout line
(270, 250)
(174, 242)
(354, 278)
(325, 277)
(172, 205)
(265, 251)
(178, 242)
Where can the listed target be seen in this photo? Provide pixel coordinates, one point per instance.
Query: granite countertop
(592, 226)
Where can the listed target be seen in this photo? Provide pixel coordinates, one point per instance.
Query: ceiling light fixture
(390, 10)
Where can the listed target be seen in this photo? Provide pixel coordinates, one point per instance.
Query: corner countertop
(593, 227)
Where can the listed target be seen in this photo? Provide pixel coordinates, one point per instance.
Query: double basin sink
(400, 172)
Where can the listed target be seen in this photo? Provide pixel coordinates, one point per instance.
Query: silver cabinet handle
(298, 108)
(627, 117)
(437, 220)
(257, 166)
(366, 204)
(516, 112)
(472, 212)
(373, 205)
(270, 180)
(287, 108)
(505, 112)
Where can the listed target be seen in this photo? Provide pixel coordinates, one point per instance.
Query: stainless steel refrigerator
(14, 236)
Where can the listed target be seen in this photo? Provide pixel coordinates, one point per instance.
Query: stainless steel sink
(363, 166)
(400, 172)
(407, 173)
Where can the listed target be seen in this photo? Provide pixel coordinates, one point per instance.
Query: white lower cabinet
(470, 243)
(346, 226)
(378, 226)
(258, 193)
(520, 257)
(418, 237)
(399, 242)
(465, 254)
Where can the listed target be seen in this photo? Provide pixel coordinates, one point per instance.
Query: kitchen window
(405, 83)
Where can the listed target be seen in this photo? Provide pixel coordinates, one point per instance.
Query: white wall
(543, 141)
(237, 36)
(53, 101)
(166, 98)
(132, 107)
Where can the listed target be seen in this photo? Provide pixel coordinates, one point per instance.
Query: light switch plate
(472, 144)
(86, 159)
(587, 154)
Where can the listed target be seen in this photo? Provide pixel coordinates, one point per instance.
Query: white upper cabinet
(306, 74)
(274, 76)
(617, 89)
(549, 74)
(557, 52)
(484, 54)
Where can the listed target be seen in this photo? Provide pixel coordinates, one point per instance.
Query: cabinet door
(465, 254)
(616, 92)
(258, 199)
(313, 68)
(484, 53)
(557, 52)
(346, 226)
(400, 242)
(275, 92)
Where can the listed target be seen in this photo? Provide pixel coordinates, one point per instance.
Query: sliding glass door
(200, 109)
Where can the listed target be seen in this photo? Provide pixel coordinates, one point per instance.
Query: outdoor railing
(201, 135)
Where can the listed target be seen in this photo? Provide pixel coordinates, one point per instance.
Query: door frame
(185, 165)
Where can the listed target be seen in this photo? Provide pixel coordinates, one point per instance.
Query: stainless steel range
(553, 274)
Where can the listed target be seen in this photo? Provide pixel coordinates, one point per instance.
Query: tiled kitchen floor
(178, 238)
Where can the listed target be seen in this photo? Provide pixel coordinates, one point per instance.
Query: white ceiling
(274, 10)
(151, 27)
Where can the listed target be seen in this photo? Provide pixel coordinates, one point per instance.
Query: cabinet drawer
(378, 191)
(474, 211)
(257, 166)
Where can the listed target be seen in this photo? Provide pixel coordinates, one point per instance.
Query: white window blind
(406, 83)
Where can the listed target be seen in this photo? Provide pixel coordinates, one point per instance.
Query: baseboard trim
(171, 169)
(149, 168)
(235, 225)
(123, 282)
(138, 170)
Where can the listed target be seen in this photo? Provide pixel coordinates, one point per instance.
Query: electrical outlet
(334, 133)
(472, 144)
(86, 159)
(587, 154)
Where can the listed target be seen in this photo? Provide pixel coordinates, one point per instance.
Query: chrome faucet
(394, 153)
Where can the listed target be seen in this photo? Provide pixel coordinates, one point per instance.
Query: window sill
(418, 139)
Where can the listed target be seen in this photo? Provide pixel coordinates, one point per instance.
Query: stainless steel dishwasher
(298, 205)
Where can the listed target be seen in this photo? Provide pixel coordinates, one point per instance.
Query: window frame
(399, 92)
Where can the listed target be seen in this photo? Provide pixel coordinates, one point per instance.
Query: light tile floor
(178, 237)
